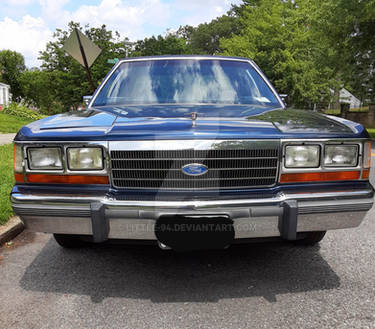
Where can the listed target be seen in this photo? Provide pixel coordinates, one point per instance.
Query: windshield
(185, 81)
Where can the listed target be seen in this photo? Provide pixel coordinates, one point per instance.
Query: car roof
(186, 56)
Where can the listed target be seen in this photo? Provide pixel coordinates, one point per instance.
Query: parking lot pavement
(259, 285)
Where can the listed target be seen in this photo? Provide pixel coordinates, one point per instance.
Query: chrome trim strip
(196, 144)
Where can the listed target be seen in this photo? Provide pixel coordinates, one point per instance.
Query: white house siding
(4, 94)
(348, 98)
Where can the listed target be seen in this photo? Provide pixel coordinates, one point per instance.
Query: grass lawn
(7, 181)
(11, 124)
(337, 111)
(371, 131)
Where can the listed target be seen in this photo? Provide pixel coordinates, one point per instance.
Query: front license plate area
(183, 233)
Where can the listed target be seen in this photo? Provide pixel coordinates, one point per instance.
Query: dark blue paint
(173, 122)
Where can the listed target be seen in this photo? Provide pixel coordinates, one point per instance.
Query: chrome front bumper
(283, 215)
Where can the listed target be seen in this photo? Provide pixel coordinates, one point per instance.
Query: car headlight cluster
(308, 156)
(79, 158)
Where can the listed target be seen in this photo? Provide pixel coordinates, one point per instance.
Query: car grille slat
(162, 169)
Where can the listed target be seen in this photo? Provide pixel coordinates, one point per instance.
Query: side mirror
(87, 99)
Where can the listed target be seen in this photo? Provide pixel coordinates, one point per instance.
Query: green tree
(12, 64)
(205, 38)
(277, 35)
(168, 45)
(347, 28)
(38, 89)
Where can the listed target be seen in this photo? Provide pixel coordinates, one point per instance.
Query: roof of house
(4, 84)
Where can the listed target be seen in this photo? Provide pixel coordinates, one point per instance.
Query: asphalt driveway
(258, 285)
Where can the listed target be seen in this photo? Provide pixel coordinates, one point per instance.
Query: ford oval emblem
(194, 169)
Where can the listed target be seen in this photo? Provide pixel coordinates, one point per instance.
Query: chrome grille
(162, 169)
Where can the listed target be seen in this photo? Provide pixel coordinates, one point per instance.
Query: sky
(27, 25)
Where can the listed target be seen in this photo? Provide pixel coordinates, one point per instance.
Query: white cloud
(134, 19)
(127, 18)
(27, 36)
(198, 11)
(19, 2)
(53, 9)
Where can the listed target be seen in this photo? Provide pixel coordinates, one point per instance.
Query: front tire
(69, 241)
(311, 238)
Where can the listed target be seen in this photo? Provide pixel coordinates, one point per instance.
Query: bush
(22, 112)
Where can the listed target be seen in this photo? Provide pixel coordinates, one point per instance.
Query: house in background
(4, 95)
(345, 97)
(348, 98)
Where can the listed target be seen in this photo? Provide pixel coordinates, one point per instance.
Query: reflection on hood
(300, 121)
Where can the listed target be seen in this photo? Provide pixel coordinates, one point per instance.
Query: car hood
(175, 122)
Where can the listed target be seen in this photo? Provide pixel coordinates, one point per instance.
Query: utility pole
(127, 45)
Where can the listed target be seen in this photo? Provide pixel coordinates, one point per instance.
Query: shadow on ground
(146, 272)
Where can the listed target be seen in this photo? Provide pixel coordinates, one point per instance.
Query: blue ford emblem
(194, 169)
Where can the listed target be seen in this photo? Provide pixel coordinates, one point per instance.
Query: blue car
(190, 152)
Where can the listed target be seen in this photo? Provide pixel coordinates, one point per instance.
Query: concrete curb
(10, 230)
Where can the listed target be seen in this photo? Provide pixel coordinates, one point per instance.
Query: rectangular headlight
(302, 156)
(86, 158)
(341, 155)
(46, 158)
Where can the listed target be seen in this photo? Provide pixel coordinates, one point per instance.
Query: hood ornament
(194, 116)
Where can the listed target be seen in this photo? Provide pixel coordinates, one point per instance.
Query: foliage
(38, 88)
(347, 29)
(21, 112)
(169, 45)
(205, 38)
(371, 132)
(278, 37)
(7, 181)
(12, 64)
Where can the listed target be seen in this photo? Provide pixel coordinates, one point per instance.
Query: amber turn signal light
(320, 176)
(19, 178)
(66, 179)
(366, 174)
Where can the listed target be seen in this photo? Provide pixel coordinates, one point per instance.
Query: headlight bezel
(358, 166)
(64, 146)
(68, 160)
